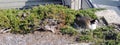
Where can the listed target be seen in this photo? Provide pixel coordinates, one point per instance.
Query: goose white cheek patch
(92, 26)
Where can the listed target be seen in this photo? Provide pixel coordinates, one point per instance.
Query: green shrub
(68, 30)
(118, 43)
(14, 22)
(110, 42)
(58, 12)
(4, 21)
(118, 36)
(84, 38)
(89, 12)
(12, 18)
(86, 32)
(107, 35)
(100, 32)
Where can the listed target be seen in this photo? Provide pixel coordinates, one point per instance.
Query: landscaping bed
(55, 18)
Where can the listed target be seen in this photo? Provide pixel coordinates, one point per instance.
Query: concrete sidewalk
(112, 14)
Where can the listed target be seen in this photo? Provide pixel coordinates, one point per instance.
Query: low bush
(86, 32)
(118, 36)
(58, 12)
(84, 38)
(25, 21)
(100, 32)
(69, 30)
(107, 35)
(110, 42)
(89, 12)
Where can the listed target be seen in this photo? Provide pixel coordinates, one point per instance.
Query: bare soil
(38, 38)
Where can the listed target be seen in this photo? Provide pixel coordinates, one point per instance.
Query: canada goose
(85, 22)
